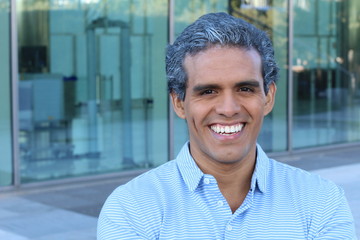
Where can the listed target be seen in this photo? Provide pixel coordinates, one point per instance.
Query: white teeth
(222, 130)
(227, 129)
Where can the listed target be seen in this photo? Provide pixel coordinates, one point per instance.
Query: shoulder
(158, 177)
(307, 190)
(148, 184)
(322, 202)
(300, 179)
(147, 193)
(141, 198)
(281, 177)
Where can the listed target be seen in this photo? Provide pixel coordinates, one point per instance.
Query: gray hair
(217, 29)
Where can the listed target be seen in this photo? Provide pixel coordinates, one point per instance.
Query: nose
(228, 105)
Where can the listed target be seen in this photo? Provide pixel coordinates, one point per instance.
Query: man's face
(225, 104)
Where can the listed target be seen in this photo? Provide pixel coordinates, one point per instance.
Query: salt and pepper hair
(211, 30)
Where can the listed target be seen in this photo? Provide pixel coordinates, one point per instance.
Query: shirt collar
(192, 174)
(188, 168)
(260, 175)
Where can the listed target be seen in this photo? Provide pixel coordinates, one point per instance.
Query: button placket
(229, 227)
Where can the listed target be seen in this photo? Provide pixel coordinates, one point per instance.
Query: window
(92, 87)
(326, 73)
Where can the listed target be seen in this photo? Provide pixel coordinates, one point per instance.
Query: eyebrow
(202, 87)
(249, 83)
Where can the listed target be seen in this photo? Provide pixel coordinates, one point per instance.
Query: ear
(270, 99)
(178, 105)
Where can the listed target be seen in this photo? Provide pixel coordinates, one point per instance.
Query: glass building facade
(84, 91)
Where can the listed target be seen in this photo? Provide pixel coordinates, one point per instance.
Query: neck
(232, 176)
(234, 179)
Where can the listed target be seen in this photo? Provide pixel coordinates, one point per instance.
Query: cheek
(256, 110)
(196, 113)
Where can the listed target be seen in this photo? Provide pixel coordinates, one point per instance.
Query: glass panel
(326, 72)
(271, 16)
(93, 90)
(6, 167)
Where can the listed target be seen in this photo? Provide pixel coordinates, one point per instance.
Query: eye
(246, 89)
(207, 92)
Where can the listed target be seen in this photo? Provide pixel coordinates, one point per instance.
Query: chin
(229, 160)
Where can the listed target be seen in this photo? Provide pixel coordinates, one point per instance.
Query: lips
(227, 129)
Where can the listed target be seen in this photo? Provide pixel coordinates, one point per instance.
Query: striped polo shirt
(178, 201)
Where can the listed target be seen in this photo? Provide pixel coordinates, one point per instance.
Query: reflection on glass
(326, 72)
(92, 86)
(5, 90)
(271, 17)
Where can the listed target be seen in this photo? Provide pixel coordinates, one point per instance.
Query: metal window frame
(290, 97)
(14, 94)
(171, 38)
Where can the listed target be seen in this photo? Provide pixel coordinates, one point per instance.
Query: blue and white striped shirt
(178, 201)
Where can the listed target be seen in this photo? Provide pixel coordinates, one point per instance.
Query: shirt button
(206, 181)
(220, 203)
(229, 227)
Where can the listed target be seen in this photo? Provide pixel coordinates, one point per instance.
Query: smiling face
(224, 105)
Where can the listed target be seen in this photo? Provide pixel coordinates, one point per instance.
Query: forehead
(220, 63)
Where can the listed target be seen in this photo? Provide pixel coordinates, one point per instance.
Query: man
(221, 75)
